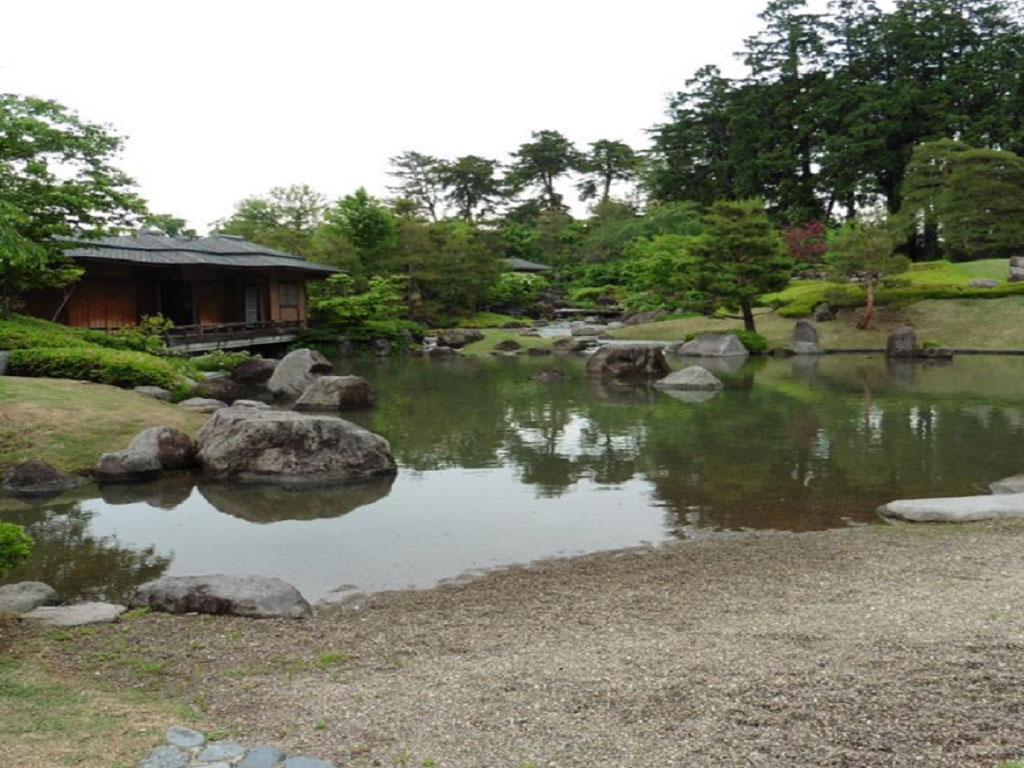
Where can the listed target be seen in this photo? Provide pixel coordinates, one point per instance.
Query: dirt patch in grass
(875, 647)
(70, 423)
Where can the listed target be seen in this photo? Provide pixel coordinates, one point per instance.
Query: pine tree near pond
(739, 258)
(866, 250)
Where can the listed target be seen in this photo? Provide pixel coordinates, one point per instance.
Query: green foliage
(170, 225)
(470, 184)
(120, 368)
(606, 163)
(25, 265)
(220, 360)
(368, 225)
(338, 303)
(285, 218)
(739, 258)
(486, 320)
(150, 335)
(15, 547)
(984, 216)
(518, 289)
(867, 248)
(541, 162)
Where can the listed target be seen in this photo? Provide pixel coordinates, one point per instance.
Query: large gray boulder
(254, 372)
(219, 388)
(258, 597)
(961, 509)
(37, 478)
(456, 338)
(336, 393)
(288, 447)
(804, 340)
(127, 466)
(1013, 484)
(713, 345)
(158, 393)
(1016, 269)
(693, 378)
(901, 343)
(77, 615)
(25, 596)
(172, 448)
(202, 404)
(628, 361)
(296, 371)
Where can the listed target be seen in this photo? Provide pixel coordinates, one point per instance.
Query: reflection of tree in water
(78, 564)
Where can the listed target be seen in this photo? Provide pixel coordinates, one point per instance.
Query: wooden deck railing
(190, 334)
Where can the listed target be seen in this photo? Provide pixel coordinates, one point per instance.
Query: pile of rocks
(188, 748)
(40, 603)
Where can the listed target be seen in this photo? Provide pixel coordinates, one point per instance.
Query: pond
(498, 468)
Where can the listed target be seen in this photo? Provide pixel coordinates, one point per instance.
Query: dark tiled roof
(215, 250)
(522, 265)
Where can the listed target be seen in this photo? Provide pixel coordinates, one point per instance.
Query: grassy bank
(494, 336)
(988, 324)
(70, 423)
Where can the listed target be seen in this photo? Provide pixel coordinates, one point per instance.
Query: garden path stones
(216, 751)
(220, 754)
(25, 596)
(77, 615)
(180, 736)
(202, 404)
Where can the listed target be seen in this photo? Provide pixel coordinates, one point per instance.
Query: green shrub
(516, 289)
(220, 360)
(755, 343)
(486, 320)
(587, 297)
(121, 368)
(15, 547)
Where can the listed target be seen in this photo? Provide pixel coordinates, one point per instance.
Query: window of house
(289, 294)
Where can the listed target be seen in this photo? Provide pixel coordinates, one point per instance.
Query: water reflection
(497, 468)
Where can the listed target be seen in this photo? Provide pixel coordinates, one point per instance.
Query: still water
(497, 468)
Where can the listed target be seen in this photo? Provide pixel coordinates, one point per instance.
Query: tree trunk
(869, 306)
(748, 316)
(607, 188)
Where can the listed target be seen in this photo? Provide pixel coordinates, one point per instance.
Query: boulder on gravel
(961, 509)
(336, 393)
(37, 478)
(219, 388)
(258, 597)
(76, 615)
(628, 361)
(804, 340)
(202, 404)
(296, 371)
(171, 447)
(24, 596)
(456, 338)
(158, 393)
(693, 378)
(901, 343)
(713, 345)
(253, 372)
(127, 466)
(288, 447)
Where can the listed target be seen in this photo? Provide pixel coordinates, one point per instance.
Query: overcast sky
(222, 99)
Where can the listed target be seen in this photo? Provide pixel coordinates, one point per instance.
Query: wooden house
(220, 291)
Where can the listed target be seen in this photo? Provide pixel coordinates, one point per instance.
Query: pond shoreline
(871, 646)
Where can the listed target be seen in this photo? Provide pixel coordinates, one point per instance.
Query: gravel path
(875, 646)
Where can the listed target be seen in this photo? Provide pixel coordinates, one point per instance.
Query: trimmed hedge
(120, 368)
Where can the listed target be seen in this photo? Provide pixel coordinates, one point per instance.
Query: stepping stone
(963, 509)
(306, 762)
(76, 615)
(180, 736)
(166, 757)
(262, 757)
(220, 750)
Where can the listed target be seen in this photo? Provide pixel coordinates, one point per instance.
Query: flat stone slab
(306, 762)
(220, 750)
(166, 757)
(25, 596)
(961, 509)
(186, 738)
(202, 404)
(1013, 484)
(262, 757)
(77, 615)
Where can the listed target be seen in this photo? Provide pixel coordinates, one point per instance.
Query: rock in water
(694, 378)
(171, 447)
(804, 340)
(456, 338)
(25, 596)
(127, 467)
(336, 393)
(714, 345)
(37, 478)
(628, 361)
(257, 597)
(901, 343)
(508, 345)
(254, 372)
(284, 446)
(962, 509)
(296, 371)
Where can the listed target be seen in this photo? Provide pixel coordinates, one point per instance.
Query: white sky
(222, 99)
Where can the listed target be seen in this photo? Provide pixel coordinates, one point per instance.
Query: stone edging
(186, 748)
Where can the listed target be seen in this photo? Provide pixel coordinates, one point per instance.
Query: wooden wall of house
(277, 311)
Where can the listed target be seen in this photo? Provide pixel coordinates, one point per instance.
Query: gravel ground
(873, 646)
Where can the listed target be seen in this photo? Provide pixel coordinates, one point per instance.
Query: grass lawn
(494, 336)
(70, 423)
(982, 323)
